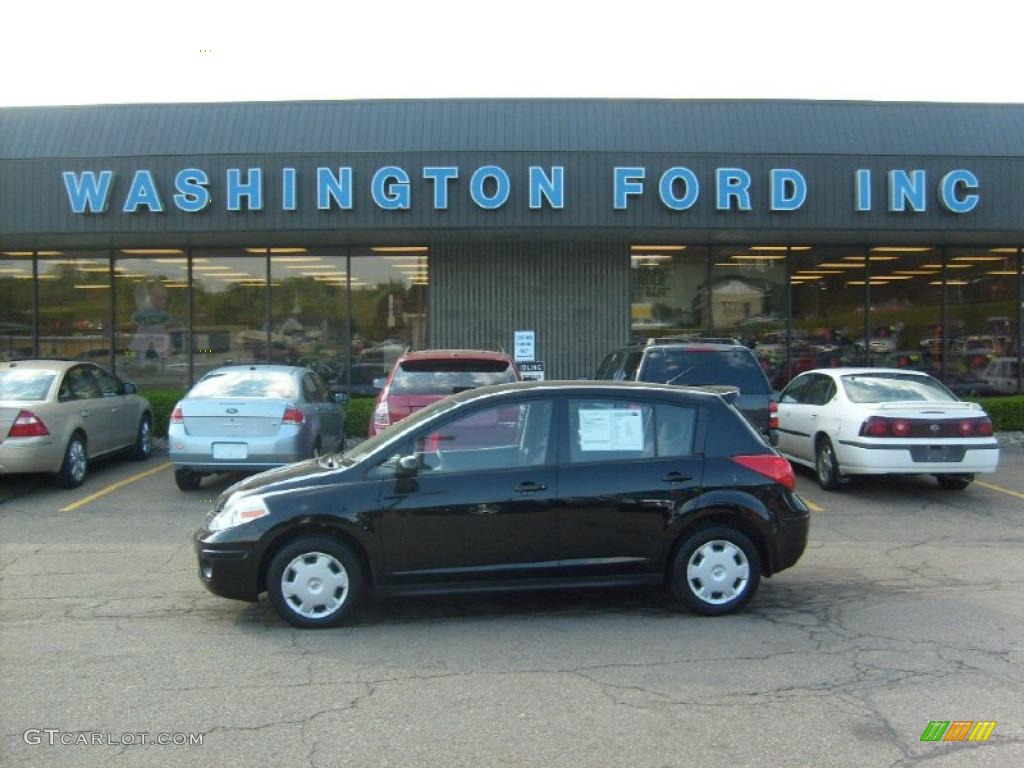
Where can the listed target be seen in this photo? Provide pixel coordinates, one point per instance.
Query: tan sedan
(57, 416)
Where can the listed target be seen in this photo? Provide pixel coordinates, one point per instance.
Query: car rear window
(25, 385)
(737, 367)
(245, 384)
(893, 387)
(446, 377)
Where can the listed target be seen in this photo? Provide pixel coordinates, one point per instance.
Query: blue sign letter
(550, 187)
(337, 188)
(732, 183)
(948, 193)
(627, 181)
(789, 189)
(666, 189)
(86, 191)
(907, 188)
(390, 188)
(440, 175)
(143, 192)
(193, 196)
(251, 190)
(862, 190)
(501, 189)
(287, 189)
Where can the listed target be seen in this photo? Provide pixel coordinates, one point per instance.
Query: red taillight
(771, 466)
(176, 415)
(875, 426)
(27, 424)
(900, 427)
(965, 427)
(983, 427)
(773, 415)
(382, 413)
(292, 415)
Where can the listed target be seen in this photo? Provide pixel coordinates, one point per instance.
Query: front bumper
(860, 456)
(228, 569)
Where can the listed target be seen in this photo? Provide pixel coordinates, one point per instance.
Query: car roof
(42, 364)
(584, 388)
(455, 354)
(709, 346)
(256, 368)
(862, 371)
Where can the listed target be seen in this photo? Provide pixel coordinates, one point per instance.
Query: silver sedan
(252, 417)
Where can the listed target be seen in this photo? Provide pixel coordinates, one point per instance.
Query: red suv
(421, 378)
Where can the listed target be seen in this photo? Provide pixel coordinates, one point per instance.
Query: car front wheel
(315, 582)
(826, 466)
(954, 482)
(716, 571)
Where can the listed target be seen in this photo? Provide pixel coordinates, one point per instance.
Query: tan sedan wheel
(76, 463)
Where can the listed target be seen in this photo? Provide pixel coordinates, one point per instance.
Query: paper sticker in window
(611, 430)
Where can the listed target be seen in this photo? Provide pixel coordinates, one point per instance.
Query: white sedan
(878, 421)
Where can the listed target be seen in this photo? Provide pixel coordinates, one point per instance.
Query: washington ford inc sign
(490, 186)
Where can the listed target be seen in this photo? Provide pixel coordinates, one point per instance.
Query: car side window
(820, 391)
(81, 384)
(109, 386)
(676, 425)
(501, 437)
(632, 364)
(610, 430)
(309, 391)
(608, 366)
(796, 389)
(321, 389)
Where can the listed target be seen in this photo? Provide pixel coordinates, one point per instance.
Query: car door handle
(530, 487)
(676, 477)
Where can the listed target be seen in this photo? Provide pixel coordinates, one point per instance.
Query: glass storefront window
(309, 311)
(229, 294)
(984, 342)
(151, 300)
(74, 305)
(15, 305)
(389, 309)
(748, 301)
(669, 291)
(827, 289)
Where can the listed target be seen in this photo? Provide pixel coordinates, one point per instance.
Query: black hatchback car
(518, 486)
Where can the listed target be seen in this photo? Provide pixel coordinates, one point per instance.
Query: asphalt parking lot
(906, 608)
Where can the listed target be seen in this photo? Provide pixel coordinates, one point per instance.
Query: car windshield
(245, 384)
(411, 422)
(25, 385)
(893, 387)
(446, 377)
(737, 367)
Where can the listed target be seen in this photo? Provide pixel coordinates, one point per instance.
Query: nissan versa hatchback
(521, 486)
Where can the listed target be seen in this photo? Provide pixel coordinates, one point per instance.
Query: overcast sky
(107, 51)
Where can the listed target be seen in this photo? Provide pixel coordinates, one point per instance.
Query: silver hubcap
(314, 585)
(825, 463)
(77, 461)
(718, 572)
(145, 438)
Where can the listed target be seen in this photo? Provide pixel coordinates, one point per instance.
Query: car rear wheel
(187, 480)
(716, 571)
(143, 447)
(954, 482)
(76, 463)
(826, 466)
(315, 582)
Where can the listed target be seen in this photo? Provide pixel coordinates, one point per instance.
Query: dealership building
(167, 239)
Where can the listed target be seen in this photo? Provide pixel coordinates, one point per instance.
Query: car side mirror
(340, 397)
(128, 388)
(379, 383)
(408, 466)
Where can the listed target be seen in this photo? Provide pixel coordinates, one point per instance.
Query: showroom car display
(425, 376)
(873, 421)
(520, 486)
(58, 416)
(252, 417)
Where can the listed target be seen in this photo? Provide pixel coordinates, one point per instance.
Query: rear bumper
(196, 452)
(860, 457)
(30, 454)
(793, 529)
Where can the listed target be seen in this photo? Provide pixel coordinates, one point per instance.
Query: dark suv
(699, 362)
(519, 486)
